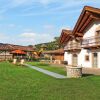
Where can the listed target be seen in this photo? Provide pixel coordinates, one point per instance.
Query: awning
(18, 52)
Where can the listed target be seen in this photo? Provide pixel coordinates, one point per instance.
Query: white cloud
(29, 30)
(42, 7)
(6, 26)
(11, 25)
(29, 4)
(1, 17)
(16, 3)
(65, 27)
(34, 38)
(28, 35)
(45, 2)
(64, 6)
(26, 38)
(3, 36)
(48, 27)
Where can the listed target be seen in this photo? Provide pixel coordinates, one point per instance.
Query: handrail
(91, 37)
(92, 40)
(85, 42)
(73, 46)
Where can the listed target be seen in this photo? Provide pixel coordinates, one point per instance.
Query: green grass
(46, 66)
(23, 83)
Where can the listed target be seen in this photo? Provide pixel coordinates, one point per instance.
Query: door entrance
(95, 60)
(75, 59)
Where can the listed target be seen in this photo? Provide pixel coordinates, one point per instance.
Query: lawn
(23, 83)
(60, 70)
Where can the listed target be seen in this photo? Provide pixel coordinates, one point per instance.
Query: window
(97, 37)
(74, 55)
(98, 32)
(87, 58)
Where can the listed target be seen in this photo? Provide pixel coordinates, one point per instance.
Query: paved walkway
(53, 74)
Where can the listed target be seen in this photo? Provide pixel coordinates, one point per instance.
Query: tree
(53, 45)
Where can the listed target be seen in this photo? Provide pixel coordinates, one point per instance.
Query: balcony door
(95, 60)
(74, 60)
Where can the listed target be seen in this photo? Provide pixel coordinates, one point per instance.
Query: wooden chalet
(82, 48)
(57, 56)
(6, 49)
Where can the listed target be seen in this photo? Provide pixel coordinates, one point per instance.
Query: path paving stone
(53, 74)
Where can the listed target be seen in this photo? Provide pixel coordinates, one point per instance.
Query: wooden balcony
(72, 46)
(91, 42)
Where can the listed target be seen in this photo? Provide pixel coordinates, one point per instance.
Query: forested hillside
(53, 45)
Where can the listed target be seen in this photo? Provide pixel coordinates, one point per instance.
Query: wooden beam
(86, 23)
(83, 20)
(79, 34)
(96, 17)
(92, 9)
(63, 38)
(79, 20)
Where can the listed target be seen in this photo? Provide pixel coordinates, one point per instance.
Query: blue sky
(26, 22)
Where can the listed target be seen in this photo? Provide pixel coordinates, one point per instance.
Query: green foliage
(35, 59)
(10, 60)
(43, 64)
(53, 45)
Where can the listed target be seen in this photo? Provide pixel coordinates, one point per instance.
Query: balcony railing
(91, 42)
(72, 46)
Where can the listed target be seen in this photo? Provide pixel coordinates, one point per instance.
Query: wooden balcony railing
(72, 46)
(91, 42)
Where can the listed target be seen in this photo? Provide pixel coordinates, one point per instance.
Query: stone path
(53, 74)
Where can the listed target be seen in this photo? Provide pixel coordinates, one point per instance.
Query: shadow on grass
(43, 64)
(86, 75)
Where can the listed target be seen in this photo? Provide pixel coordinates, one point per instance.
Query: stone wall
(74, 72)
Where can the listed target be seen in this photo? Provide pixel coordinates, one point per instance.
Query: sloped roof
(18, 52)
(64, 35)
(11, 47)
(58, 51)
(87, 15)
(5, 47)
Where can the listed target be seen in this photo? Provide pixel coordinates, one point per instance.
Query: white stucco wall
(91, 30)
(68, 57)
(81, 59)
(65, 56)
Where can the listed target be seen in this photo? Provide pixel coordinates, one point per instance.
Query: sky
(30, 22)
